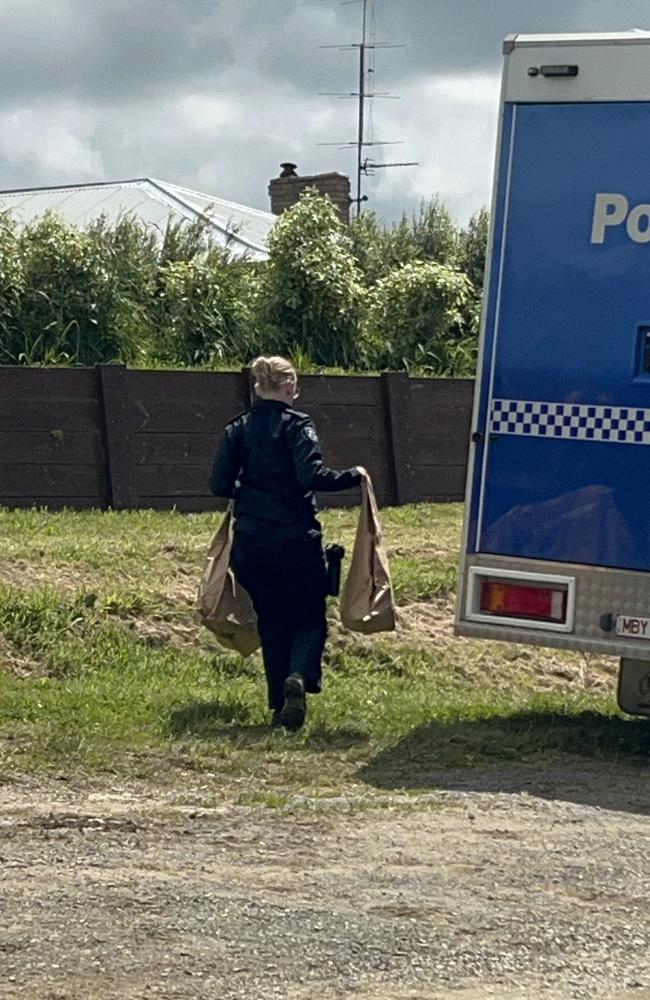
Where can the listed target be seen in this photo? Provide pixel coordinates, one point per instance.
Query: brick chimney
(286, 189)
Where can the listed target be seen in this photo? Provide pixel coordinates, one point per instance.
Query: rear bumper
(599, 593)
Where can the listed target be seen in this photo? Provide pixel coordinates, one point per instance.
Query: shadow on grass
(553, 756)
(214, 720)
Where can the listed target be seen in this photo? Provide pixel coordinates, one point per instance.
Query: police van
(556, 545)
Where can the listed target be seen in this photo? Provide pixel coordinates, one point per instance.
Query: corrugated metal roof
(152, 201)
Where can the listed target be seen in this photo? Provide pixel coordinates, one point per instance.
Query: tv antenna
(365, 166)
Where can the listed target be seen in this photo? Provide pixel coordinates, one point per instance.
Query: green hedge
(356, 299)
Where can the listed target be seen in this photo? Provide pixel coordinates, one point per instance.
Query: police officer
(269, 461)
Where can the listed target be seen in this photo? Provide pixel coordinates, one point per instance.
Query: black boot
(295, 703)
(276, 719)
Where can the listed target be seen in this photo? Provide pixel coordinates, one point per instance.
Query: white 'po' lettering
(612, 210)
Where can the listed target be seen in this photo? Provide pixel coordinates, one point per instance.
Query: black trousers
(286, 579)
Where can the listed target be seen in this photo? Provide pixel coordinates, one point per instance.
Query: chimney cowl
(288, 170)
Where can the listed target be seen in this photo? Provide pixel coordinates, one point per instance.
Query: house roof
(152, 201)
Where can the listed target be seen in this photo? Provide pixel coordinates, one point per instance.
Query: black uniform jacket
(270, 462)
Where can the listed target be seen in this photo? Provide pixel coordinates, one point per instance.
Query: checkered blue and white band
(571, 421)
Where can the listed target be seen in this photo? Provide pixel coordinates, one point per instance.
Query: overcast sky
(214, 94)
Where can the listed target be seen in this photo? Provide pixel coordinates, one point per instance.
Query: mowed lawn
(103, 669)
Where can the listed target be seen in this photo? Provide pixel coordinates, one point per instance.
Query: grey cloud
(440, 36)
(453, 36)
(97, 51)
(102, 50)
(293, 49)
(14, 175)
(111, 82)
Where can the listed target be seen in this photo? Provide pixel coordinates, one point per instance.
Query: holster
(333, 559)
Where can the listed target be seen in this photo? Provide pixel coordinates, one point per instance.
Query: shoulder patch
(311, 433)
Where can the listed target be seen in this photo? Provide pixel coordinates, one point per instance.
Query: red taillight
(519, 601)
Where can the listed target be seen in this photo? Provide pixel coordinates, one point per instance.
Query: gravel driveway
(511, 884)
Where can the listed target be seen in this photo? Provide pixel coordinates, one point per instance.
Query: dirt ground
(517, 883)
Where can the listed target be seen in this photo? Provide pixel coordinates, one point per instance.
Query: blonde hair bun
(270, 373)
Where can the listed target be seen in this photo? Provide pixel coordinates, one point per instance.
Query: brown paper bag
(367, 603)
(222, 605)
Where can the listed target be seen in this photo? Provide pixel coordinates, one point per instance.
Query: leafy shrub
(360, 298)
(207, 304)
(473, 248)
(313, 298)
(11, 290)
(64, 283)
(419, 307)
(431, 235)
(129, 254)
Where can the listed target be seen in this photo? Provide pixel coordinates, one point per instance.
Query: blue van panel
(569, 481)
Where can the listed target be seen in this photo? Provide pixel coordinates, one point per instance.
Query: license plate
(632, 627)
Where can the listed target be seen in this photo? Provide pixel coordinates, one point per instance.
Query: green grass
(105, 670)
(142, 554)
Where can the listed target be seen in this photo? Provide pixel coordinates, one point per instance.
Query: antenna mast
(365, 167)
(362, 100)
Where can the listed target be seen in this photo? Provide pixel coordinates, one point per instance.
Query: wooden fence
(112, 437)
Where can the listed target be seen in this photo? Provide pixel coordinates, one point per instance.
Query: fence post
(397, 403)
(115, 408)
(247, 387)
